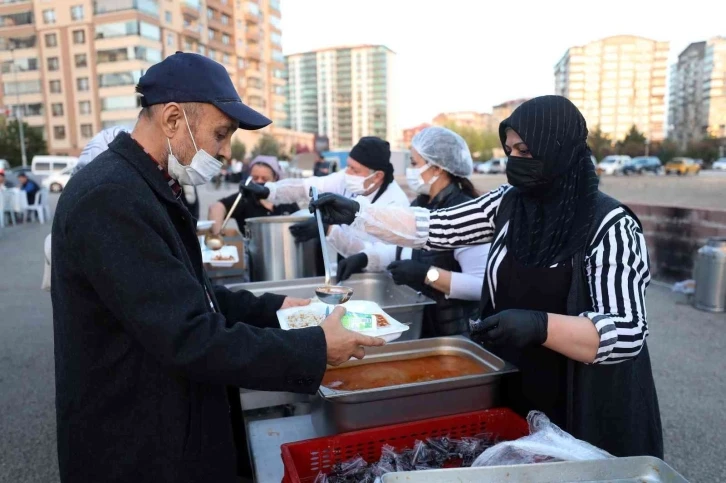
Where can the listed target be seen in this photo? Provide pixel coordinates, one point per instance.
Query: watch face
(432, 275)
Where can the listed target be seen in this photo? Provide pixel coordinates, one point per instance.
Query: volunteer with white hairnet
(440, 167)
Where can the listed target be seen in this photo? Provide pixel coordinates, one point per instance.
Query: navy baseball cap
(187, 77)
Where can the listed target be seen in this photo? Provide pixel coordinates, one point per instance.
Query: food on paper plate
(222, 258)
(304, 318)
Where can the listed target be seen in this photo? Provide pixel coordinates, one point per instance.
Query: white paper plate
(225, 251)
(390, 333)
(204, 224)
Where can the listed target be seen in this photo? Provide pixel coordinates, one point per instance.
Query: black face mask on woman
(527, 175)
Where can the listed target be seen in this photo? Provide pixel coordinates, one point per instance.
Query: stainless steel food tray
(637, 469)
(341, 411)
(399, 301)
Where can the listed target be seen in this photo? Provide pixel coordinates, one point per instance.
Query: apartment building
(617, 82)
(697, 98)
(502, 111)
(344, 93)
(71, 66)
(481, 121)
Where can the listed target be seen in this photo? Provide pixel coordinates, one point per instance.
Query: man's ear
(172, 119)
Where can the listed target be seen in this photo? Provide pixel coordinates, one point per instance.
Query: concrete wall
(675, 234)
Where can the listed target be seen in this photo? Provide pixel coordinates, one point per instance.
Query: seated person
(29, 186)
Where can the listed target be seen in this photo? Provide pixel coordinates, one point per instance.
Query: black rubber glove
(512, 328)
(351, 265)
(335, 209)
(254, 190)
(306, 230)
(409, 272)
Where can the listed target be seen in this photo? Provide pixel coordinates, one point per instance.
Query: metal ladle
(328, 294)
(216, 242)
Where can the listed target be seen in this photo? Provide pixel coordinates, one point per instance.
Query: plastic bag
(546, 442)
(687, 287)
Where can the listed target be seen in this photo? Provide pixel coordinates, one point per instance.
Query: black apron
(614, 406)
(448, 316)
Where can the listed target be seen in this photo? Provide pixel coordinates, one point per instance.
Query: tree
(600, 143)
(705, 149)
(10, 141)
(633, 144)
(266, 146)
(238, 150)
(480, 142)
(665, 150)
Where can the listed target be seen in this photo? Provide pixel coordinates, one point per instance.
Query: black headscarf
(552, 225)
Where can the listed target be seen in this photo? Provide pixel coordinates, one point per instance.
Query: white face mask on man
(416, 182)
(201, 170)
(355, 185)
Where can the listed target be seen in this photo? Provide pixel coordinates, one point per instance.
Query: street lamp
(18, 110)
(647, 146)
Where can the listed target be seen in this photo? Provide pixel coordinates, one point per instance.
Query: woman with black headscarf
(564, 290)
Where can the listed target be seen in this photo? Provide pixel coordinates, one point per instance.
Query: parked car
(613, 164)
(643, 164)
(44, 166)
(56, 182)
(682, 166)
(493, 166)
(719, 164)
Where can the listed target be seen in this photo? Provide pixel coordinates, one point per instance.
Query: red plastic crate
(305, 459)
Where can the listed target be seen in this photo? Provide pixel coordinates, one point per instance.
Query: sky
(468, 55)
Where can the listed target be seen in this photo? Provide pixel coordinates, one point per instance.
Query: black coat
(142, 361)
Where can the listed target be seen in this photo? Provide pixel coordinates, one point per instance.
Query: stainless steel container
(399, 301)
(341, 411)
(274, 255)
(710, 276)
(636, 469)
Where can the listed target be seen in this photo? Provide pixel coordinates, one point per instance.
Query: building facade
(71, 66)
(617, 82)
(502, 111)
(408, 134)
(344, 93)
(697, 98)
(481, 121)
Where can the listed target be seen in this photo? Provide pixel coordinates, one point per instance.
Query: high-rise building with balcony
(344, 93)
(71, 66)
(697, 99)
(617, 82)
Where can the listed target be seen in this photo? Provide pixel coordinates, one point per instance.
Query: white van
(613, 164)
(44, 166)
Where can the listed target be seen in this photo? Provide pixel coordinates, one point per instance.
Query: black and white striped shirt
(616, 265)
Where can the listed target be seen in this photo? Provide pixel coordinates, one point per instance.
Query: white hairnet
(444, 148)
(97, 145)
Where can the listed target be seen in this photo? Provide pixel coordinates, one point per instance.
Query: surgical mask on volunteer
(356, 184)
(416, 182)
(201, 170)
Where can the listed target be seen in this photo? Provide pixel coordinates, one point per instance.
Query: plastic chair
(39, 206)
(2, 209)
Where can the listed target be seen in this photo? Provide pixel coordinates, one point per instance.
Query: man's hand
(306, 230)
(294, 302)
(255, 191)
(343, 343)
(512, 328)
(335, 209)
(351, 265)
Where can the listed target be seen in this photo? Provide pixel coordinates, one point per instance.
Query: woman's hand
(512, 328)
(335, 209)
(409, 272)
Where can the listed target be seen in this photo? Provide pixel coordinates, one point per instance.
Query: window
(149, 31)
(210, 33)
(129, 53)
(114, 103)
(210, 14)
(82, 84)
(79, 36)
(225, 59)
(84, 107)
(20, 65)
(119, 79)
(87, 130)
(239, 24)
(57, 109)
(241, 63)
(51, 40)
(150, 7)
(240, 43)
(14, 19)
(225, 19)
(212, 54)
(77, 12)
(170, 39)
(225, 39)
(59, 132)
(53, 63)
(21, 87)
(49, 16)
(167, 16)
(55, 87)
(81, 60)
(122, 29)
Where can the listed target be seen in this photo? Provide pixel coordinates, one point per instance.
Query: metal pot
(710, 276)
(274, 254)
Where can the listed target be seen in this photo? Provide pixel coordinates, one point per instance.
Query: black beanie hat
(373, 153)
